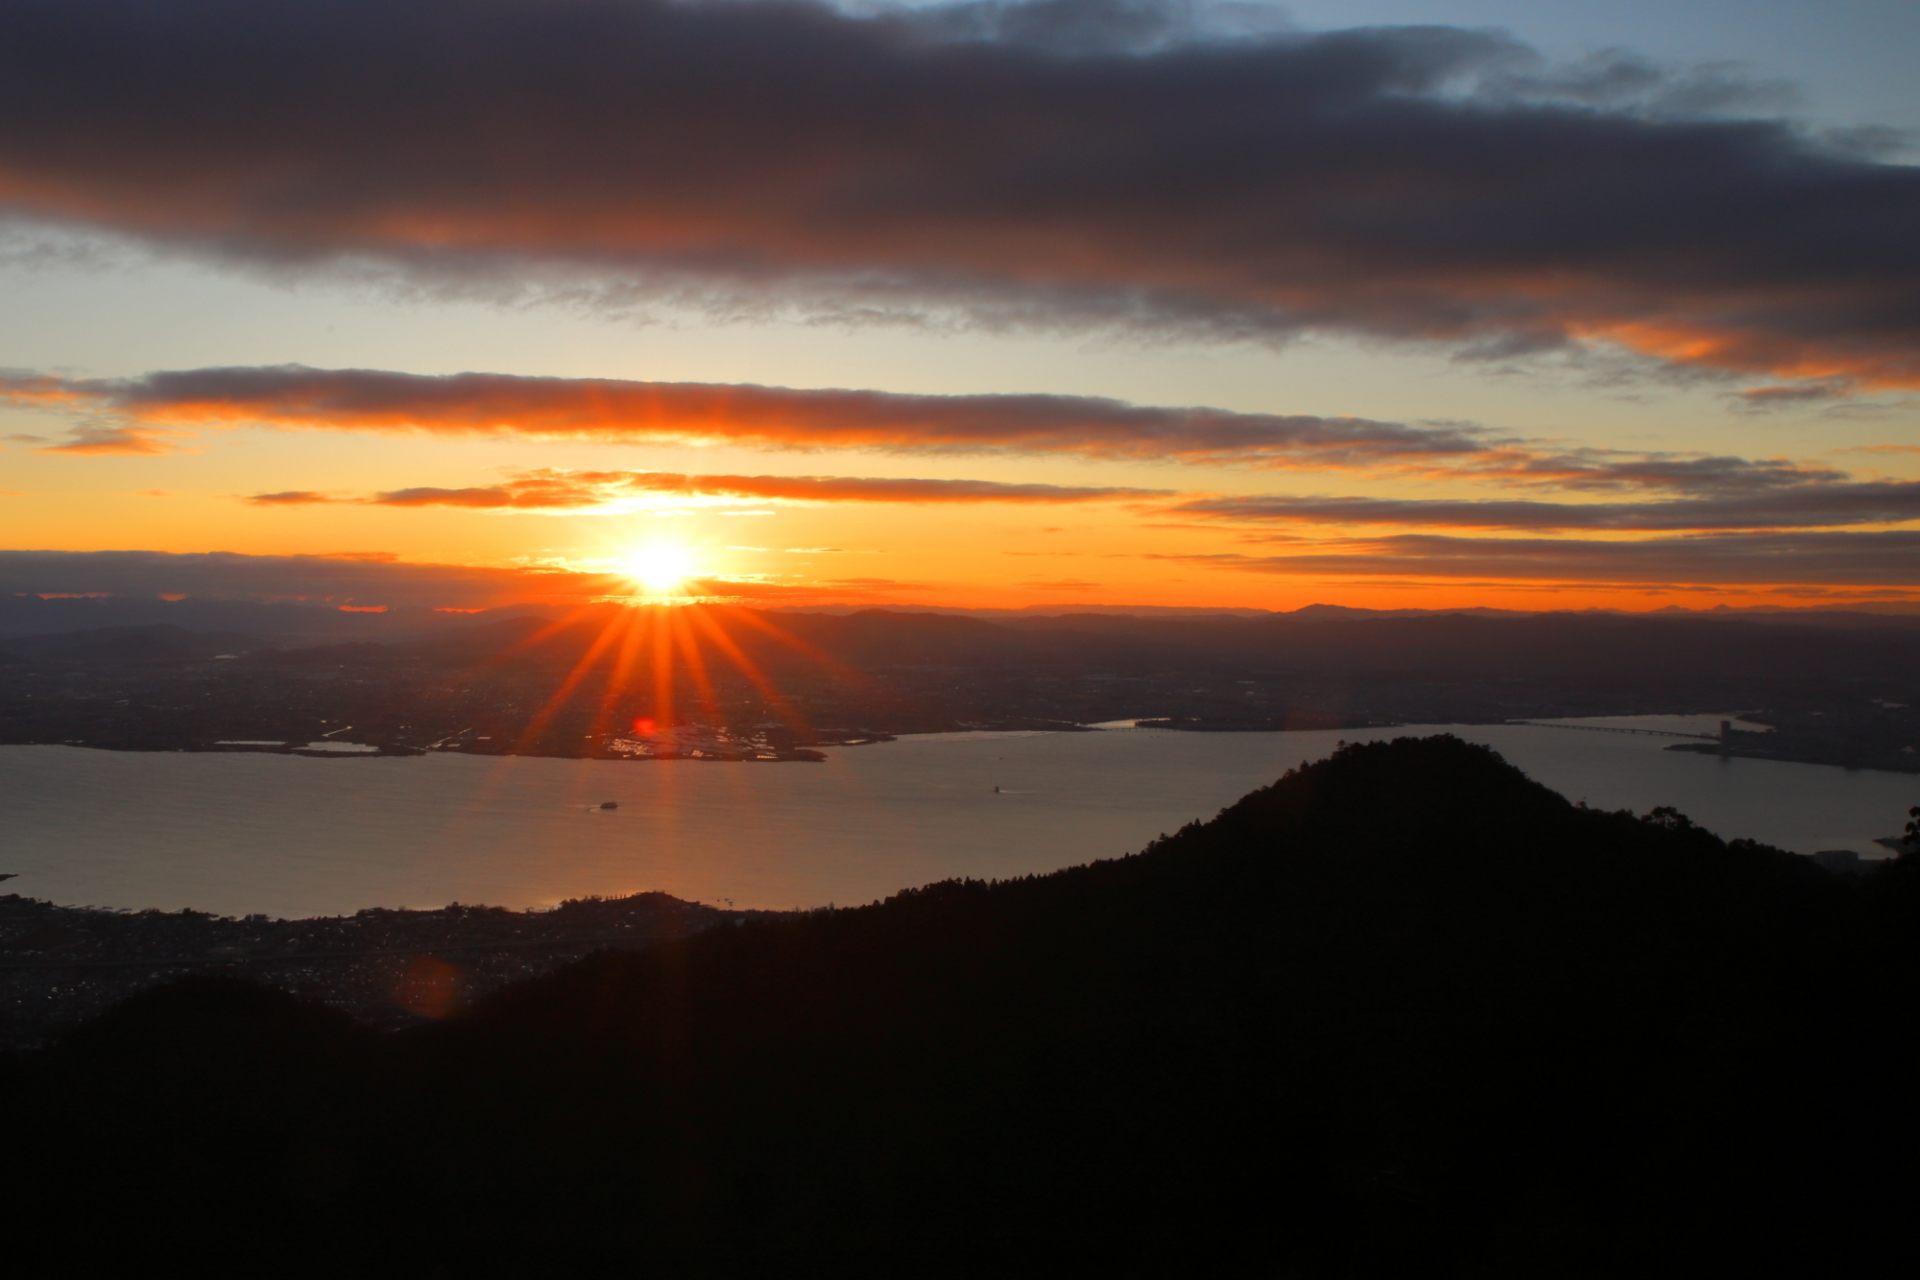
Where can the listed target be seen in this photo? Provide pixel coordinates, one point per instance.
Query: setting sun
(659, 568)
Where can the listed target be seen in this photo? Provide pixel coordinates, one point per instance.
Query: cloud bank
(1888, 559)
(360, 581)
(1809, 506)
(1068, 162)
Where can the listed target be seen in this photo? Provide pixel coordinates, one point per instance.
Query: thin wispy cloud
(336, 579)
(366, 581)
(1616, 470)
(550, 490)
(1793, 395)
(140, 441)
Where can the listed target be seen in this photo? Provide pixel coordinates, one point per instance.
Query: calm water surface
(290, 836)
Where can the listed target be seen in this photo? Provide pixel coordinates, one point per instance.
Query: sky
(459, 303)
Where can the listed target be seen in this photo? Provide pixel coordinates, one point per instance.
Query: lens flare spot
(429, 987)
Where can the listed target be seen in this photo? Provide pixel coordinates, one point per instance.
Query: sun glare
(659, 568)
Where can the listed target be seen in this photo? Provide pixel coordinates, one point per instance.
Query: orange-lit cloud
(606, 410)
(467, 404)
(35, 388)
(111, 440)
(1031, 163)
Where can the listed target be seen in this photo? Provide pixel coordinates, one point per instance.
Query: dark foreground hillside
(1403, 1012)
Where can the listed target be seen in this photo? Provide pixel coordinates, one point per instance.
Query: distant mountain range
(302, 623)
(1403, 1012)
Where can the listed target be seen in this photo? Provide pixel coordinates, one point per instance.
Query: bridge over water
(1609, 728)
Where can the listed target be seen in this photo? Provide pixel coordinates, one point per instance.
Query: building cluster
(62, 965)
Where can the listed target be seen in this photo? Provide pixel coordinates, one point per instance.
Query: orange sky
(1098, 348)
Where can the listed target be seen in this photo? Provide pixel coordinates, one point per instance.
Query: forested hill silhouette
(1403, 1011)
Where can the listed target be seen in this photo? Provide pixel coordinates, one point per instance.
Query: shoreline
(1775, 747)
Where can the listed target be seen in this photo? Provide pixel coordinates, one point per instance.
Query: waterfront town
(769, 688)
(60, 965)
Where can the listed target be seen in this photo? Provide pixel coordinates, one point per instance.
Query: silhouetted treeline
(1404, 1012)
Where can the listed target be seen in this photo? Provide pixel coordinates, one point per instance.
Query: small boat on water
(609, 804)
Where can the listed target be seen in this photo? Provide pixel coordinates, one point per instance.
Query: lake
(289, 836)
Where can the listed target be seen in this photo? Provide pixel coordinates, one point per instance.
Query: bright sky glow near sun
(1530, 305)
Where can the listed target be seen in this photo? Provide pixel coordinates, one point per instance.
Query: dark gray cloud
(1082, 28)
(289, 498)
(1608, 470)
(1793, 395)
(1622, 80)
(1823, 505)
(1881, 559)
(1055, 162)
(356, 581)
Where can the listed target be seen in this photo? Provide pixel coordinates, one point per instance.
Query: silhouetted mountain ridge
(1402, 1009)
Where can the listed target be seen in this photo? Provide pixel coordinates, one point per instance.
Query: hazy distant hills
(1403, 1012)
(1753, 656)
(1668, 656)
(27, 615)
(1472, 644)
(158, 642)
(301, 623)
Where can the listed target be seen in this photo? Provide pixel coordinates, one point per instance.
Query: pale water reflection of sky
(290, 836)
